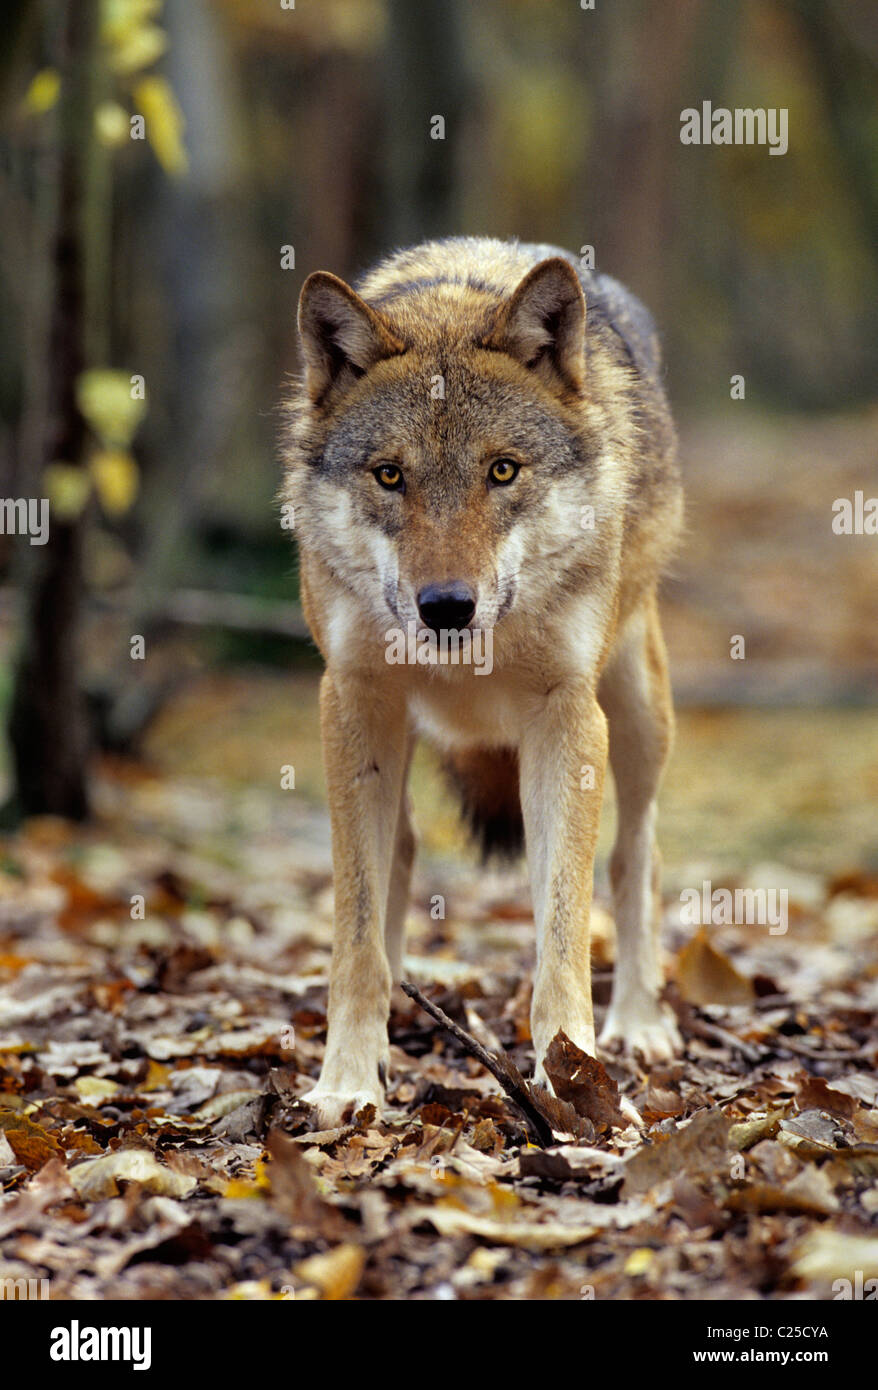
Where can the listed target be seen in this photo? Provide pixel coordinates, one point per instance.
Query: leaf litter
(153, 1143)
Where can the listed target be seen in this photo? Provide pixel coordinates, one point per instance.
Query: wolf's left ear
(342, 337)
(542, 324)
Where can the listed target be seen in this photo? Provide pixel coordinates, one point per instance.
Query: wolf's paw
(333, 1108)
(654, 1038)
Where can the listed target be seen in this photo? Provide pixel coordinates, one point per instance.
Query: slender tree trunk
(629, 182)
(425, 76)
(845, 75)
(47, 727)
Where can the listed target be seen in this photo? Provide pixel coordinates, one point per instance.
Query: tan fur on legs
(365, 743)
(561, 827)
(400, 888)
(636, 696)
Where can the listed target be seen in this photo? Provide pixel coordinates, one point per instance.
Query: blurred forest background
(278, 141)
(170, 171)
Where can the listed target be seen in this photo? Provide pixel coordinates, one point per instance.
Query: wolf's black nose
(444, 607)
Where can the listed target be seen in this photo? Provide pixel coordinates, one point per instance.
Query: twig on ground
(501, 1067)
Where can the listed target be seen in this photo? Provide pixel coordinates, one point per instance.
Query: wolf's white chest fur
(454, 706)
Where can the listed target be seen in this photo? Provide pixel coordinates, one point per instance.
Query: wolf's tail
(486, 781)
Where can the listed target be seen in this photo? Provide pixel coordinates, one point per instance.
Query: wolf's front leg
(636, 696)
(563, 757)
(364, 732)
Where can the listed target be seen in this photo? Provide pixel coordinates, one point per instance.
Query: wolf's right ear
(342, 337)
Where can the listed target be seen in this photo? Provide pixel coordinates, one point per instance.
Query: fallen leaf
(825, 1254)
(336, 1273)
(98, 1178)
(816, 1094)
(583, 1082)
(32, 1145)
(530, 1235)
(810, 1191)
(699, 1147)
(706, 976)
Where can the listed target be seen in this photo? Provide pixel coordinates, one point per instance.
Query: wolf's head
(449, 463)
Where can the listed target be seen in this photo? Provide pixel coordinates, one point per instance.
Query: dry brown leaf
(816, 1094)
(697, 1148)
(23, 1210)
(810, 1191)
(292, 1189)
(32, 1145)
(583, 1082)
(705, 974)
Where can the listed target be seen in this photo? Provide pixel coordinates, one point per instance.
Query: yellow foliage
(249, 1290)
(116, 479)
(99, 1178)
(164, 122)
(43, 92)
(119, 18)
(238, 1188)
(132, 39)
(112, 125)
(105, 400)
(639, 1261)
(95, 1088)
(67, 488)
(336, 1273)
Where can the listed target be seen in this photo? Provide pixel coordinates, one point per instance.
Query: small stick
(500, 1066)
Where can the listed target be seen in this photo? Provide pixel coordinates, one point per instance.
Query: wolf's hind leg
(635, 694)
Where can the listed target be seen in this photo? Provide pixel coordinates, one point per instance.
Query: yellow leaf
(120, 17)
(336, 1273)
(105, 400)
(95, 1088)
(68, 489)
(164, 122)
(137, 48)
(43, 92)
(112, 126)
(639, 1261)
(252, 1289)
(238, 1189)
(32, 1145)
(98, 1178)
(116, 480)
(827, 1253)
(156, 1076)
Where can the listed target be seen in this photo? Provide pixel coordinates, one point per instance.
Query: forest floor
(151, 1139)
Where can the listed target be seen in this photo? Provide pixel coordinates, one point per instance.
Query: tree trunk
(47, 726)
(425, 75)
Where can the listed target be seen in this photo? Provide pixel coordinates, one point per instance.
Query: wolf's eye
(389, 476)
(502, 471)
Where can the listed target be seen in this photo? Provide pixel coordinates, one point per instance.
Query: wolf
(480, 439)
